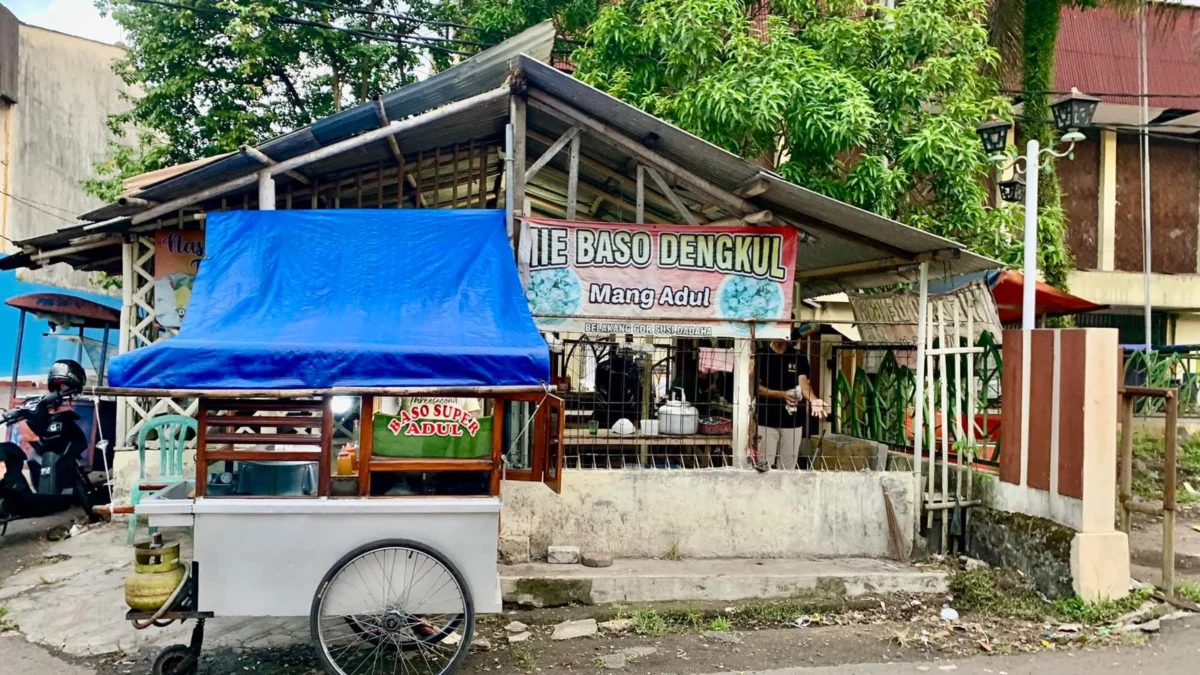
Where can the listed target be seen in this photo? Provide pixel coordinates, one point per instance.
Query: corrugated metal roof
(486, 69)
(1098, 52)
(865, 248)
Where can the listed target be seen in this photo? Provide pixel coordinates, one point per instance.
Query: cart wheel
(171, 661)
(392, 606)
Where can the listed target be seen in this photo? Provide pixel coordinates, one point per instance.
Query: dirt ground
(912, 633)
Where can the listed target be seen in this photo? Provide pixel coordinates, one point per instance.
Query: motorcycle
(59, 480)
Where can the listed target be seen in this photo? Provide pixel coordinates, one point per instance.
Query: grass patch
(1188, 590)
(6, 624)
(523, 657)
(654, 623)
(1148, 463)
(673, 553)
(784, 612)
(720, 625)
(1002, 593)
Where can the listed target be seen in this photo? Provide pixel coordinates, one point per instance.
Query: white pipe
(918, 393)
(1029, 298)
(508, 179)
(1028, 304)
(328, 151)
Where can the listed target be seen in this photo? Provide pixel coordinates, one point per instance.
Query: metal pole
(1145, 119)
(266, 191)
(103, 357)
(1029, 299)
(1029, 296)
(79, 351)
(12, 391)
(919, 392)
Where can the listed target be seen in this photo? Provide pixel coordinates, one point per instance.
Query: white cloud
(74, 17)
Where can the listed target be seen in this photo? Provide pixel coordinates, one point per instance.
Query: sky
(74, 17)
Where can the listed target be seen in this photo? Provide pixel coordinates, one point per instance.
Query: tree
(212, 75)
(873, 106)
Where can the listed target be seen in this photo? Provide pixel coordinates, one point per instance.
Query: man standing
(785, 398)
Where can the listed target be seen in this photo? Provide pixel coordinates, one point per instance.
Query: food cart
(289, 310)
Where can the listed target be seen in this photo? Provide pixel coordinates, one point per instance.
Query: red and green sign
(433, 430)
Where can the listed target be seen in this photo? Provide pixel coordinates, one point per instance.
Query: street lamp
(994, 135)
(1071, 113)
(1012, 190)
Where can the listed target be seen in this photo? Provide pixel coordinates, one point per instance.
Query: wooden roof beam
(552, 106)
(624, 181)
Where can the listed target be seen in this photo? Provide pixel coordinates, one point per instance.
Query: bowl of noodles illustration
(749, 298)
(554, 292)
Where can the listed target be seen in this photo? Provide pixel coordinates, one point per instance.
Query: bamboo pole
(1126, 496)
(1169, 487)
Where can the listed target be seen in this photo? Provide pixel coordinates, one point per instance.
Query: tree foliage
(873, 106)
(225, 73)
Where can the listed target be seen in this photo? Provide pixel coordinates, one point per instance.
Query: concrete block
(563, 555)
(636, 514)
(513, 549)
(570, 630)
(597, 560)
(1100, 566)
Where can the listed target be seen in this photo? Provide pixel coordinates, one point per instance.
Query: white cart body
(266, 557)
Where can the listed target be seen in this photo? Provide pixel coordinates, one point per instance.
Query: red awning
(1009, 289)
(79, 311)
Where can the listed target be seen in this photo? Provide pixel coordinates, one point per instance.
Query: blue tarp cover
(349, 298)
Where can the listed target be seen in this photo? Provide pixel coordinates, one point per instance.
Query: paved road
(18, 657)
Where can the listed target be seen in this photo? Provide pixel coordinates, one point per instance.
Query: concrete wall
(718, 513)
(56, 131)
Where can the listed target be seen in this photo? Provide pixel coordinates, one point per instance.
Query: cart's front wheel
(392, 606)
(174, 661)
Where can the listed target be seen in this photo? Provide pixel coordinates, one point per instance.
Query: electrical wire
(412, 41)
(1048, 92)
(391, 15)
(35, 207)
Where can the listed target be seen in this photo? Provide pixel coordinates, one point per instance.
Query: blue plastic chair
(172, 437)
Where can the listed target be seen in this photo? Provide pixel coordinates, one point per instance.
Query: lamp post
(1071, 113)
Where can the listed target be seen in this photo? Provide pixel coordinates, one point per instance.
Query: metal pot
(677, 417)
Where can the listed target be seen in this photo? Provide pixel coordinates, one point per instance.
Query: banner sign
(891, 318)
(177, 256)
(667, 280)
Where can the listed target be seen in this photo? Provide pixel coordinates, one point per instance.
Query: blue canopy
(349, 298)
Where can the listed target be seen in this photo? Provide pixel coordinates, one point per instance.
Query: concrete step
(641, 580)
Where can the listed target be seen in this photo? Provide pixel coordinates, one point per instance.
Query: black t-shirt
(779, 372)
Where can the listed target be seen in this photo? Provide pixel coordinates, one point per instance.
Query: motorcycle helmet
(68, 375)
